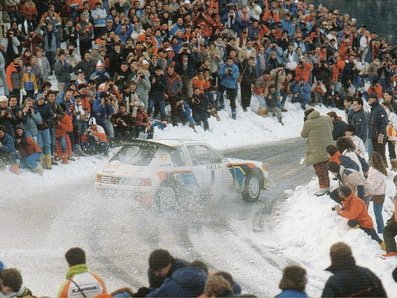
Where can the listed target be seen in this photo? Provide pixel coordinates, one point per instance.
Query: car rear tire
(252, 188)
(166, 197)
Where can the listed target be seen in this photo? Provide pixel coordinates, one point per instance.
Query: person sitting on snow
(29, 151)
(94, 139)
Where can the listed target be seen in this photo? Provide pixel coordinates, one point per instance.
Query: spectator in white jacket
(358, 142)
(377, 177)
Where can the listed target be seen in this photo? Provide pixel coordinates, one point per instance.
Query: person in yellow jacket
(29, 85)
(80, 283)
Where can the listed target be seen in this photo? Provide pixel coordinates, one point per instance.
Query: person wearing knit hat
(161, 265)
(317, 129)
(348, 279)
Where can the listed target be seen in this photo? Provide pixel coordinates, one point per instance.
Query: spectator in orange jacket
(355, 210)
(200, 81)
(303, 71)
(64, 126)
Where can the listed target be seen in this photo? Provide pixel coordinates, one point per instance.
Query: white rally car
(169, 170)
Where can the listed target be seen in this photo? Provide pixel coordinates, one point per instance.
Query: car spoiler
(147, 144)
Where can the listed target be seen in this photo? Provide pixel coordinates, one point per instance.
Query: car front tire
(252, 188)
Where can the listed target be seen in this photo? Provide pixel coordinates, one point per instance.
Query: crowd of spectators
(169, 276)
(124, 67)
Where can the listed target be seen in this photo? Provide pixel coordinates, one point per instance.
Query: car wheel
(252, 188)
(166, 198)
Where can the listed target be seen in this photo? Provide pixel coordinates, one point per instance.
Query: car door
(208, 166)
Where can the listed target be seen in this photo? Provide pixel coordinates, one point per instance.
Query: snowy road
(118, 233)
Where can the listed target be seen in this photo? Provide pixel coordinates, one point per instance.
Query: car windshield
(136, 155)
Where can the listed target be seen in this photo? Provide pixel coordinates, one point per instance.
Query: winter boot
(393, 164)
(383, 245)
(15, 168)
(322, 191)
(42, 161)
(47, 161)
(78, 150)
(53, 161)
(65, 159)
(39, 169)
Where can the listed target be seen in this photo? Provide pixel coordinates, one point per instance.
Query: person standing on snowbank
(317, 129)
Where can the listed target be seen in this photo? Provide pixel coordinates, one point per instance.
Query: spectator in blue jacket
(293, 282)
(301, 93)
(103, 111)
(184, 282)
(228, 74)
(8, 153)
(161, 266)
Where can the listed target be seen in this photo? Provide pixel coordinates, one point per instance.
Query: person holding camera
(228, 74)
(123, 123)
(302, 93)
(355, 210)
(6, 115)
(103, 110)
(30, 118)
(200, 105)
(94, 139)
(157, 92)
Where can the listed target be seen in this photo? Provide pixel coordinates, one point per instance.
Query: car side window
(178, 159)
(202, 155)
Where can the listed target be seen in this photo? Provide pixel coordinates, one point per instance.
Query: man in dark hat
(348, 279)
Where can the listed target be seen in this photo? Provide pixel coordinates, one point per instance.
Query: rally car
(171, 170)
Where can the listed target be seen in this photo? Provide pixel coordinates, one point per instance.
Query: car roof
(165, 143)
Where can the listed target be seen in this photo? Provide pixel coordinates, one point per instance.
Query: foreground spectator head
(160, 261)
(218, 286)
(341, 252)
(75, 256)
(10, 281)
(294, 278)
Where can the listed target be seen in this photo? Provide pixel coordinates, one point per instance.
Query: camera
(229, 71)
(333, 208)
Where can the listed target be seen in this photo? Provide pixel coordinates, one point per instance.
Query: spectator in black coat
(339, 125)
(248, 75)
(161, 266)
(200, 105)
(377, 126)
(359, 119)
(350, 280)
